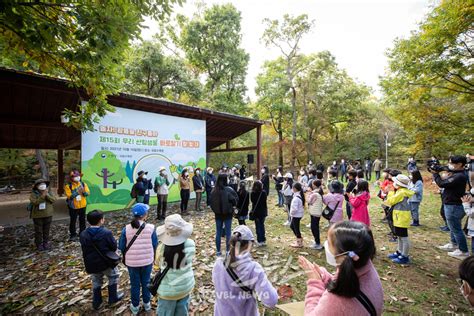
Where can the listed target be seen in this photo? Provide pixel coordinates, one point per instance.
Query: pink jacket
(331, 200)
(319, 301)
(360, 211)
(141, 253)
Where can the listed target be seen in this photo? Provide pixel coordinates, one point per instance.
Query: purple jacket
(231, 299)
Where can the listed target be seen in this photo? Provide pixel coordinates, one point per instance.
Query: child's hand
(312, 270)
(466, 198)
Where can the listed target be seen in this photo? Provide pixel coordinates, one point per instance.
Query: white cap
(175, 231)
(161, 169)
(245, 233)
(288, 175)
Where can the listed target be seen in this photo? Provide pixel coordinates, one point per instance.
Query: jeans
(368, 175)
(454, 215)
(281, 199)
(377, 175)
(315, 229)
(42, 227)
(260, 229)
(139, 277)
(73, 214)
(98, 278)
(184, 200)
(173, 308)
(414, 208)
(226, 225)
(198, 201)
(295, 226)
(162, 204)
(343, 175)
(441, 212)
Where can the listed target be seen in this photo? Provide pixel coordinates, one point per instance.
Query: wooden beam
(233, 149)
(71, 144)
(259, 151)
(60, 172)
(216, 139)
(34, 124)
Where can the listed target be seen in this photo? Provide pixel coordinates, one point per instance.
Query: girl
(296, 213)
(350, 187)
(243, 203)
(259, 211)
(416, 185)
(184, 186)
(315, 206)
(397, 200)
(236, 294)
(278, 178)
(288, 195)
(138, 243)
(41, 211)
(359, 202)
(223, 200)
(176, 252)
(265, 179)
(350, 248)
(303, 178)
(334, 199)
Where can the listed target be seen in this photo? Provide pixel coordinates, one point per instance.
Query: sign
(127, 141)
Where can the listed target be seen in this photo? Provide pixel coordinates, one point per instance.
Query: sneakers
(444, 228)
(134, 309)
(287, 223)
(401, 260)
(298, 243)
(74, 238)
(448, 247)
(316, 246)
(394, 255)
(458, 254)
(147, 306)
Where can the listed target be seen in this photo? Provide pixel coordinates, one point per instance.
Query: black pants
(241, 221)
(315, 228)
(42, 228)
(184, 200)
(208, 196)
(377, 175)
(198, 201)
(368, 175)
(73, 214)
(295, 226)
(348, 209)
(161, 207)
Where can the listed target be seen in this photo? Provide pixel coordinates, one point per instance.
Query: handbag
(156, 281)
(111, 257)
(237, 211)
(252, 212)
(132, 241)
(328, 212)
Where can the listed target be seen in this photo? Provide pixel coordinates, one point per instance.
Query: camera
(435, 166)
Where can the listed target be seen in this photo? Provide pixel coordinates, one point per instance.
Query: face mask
(210, 172)
(186, 174)
(76, 179)
(330, 258)
(472, 191)
(450, 167)
(197, 171)
(302, 173)
(144, 176)
(163, 173)
(42, 187)
(263, 170)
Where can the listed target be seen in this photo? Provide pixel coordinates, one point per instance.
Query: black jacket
(278, 183)
(210, 180)
(198, 182)
(266, 182)
(103, 240)
(259, 206)
(223, 201)
(143, 185)
(454, 187)
(243, 204)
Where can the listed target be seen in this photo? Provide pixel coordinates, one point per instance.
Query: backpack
(133, 192)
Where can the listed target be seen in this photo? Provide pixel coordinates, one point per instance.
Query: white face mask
(197, 172)
(186, 174)
(76, 179)
(163, 173)
(42, 187)
(451, 167)
(144, 176)
(210, 172)
(263, 170)
(330, 258)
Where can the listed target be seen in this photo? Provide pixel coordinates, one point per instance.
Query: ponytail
(236, 242)
(347, 282)
(135, 222)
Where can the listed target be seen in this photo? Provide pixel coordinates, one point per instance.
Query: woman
(41, 211)
(350, 248)
(176, 252)
(265, 179)
(296, 213)
(315, 207)
(259, 211)
(223, 200)
(198, 185)
(416, 185)
(138, 243)
(334, 199)
(185, 187)
(278, 178)
(243, 203)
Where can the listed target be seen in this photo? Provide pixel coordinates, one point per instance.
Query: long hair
(174, 256)
(257, 186)
(416, 176)
(183, 172)
(221, 182)
(356, 237)
(242, 190)
(363, 186)
(236, 244)
(297, 186)
(136, 221)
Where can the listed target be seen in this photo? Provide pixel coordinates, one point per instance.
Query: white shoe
(458, 254)
(287, 223)
(448, 247)
(309, 225)
(147, 306)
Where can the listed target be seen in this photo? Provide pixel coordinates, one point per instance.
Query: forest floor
(55, 282)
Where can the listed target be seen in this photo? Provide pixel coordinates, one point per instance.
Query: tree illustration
(106, 165)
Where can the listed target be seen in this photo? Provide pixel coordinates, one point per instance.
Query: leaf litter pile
(55, 282)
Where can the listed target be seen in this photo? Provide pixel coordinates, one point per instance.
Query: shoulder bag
(111, 257)
(328, 212)
(132, 241)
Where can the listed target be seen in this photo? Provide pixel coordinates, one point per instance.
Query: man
(143, 187)
(368, 168)
(454, 188)
(242, 172)
(76, 193)
(343, 168)
(411, 166)
(210, 181)
(162, 189)
(335, 168)
(377, 165)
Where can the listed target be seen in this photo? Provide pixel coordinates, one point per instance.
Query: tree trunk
(293, 133)
(308, 142)
(43, 165)
(280, 146)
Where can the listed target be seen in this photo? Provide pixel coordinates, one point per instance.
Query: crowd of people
(239, 281)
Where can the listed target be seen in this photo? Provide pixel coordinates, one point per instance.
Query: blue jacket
(103, 240)
(418, 189)
(142, 186)
(210, 177)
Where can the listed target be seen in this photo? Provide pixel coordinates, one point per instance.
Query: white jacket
(297, 207)
(469, 209)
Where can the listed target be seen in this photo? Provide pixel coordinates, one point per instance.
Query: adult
(76, 198)
(223, 200)
(41, 211)
(454, 189)
(411, 165)
(210, 181)
(320, 167)
(259, 211)
(234, 178)
(310, 165)
(242, 172)
(355, 289)
(288, 195)
(278, 178)
(184, 191)
(335, 167)
(162, 189)
(198, 185)
(377, 165)
(265, 179)
(416, 185)
(368, 168)
(343, 169)
(143, 186)
(466, 274)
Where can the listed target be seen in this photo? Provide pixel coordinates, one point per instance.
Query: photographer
(454, 186)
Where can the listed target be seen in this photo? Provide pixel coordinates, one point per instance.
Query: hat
(209, 169)
(39, 181)
(197, 169)
(142, 172)
(401, 181)
(288, 175)
(245, 233)
(175, 231)
(140, 209)
(161, 169)
(75, 173)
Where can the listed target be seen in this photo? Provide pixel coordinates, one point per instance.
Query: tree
(43, 165)
(82, 41)
(106, 166)
(211, 42)
(286, 35)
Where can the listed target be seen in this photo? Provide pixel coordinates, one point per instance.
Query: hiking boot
(401, 260)
(394, 255)
(448, 247)
(96, 298)
(458, 254)
(114, 296)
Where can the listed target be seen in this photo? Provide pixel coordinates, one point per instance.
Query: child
(468, 204)
(401, 215)
(350, 248)
(94, 239)
(296, 213)
(259, 211)
(315, 206)
(288, 195)
(416, 185)
(41, 211)
(334, 199)
(138, 243)
(360, 203)
(243, 203)
(175, 251)
(351, 185)
(278, 178)
(466, 275)
(232, 297)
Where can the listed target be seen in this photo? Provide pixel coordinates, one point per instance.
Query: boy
(96, 241)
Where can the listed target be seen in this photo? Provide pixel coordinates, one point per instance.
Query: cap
(142, 172)
(140, 209)
(401, 180)
(161, 169)
(245, 233)
(289, 175)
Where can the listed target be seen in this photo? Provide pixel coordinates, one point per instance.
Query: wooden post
(259, 151)
(60, 172)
